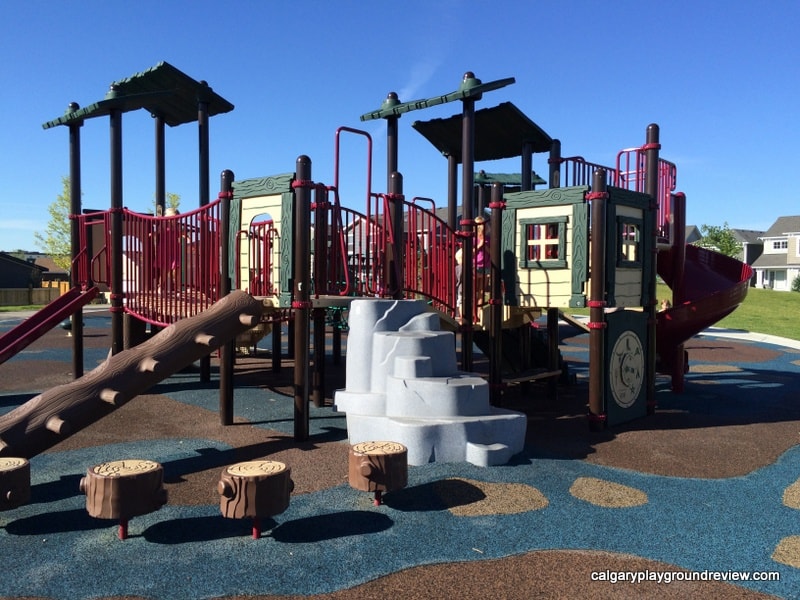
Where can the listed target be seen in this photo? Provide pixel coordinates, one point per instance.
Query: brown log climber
(53, 415)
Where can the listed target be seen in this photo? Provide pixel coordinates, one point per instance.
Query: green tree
(721, 239)
(171, 201)
(56, 239)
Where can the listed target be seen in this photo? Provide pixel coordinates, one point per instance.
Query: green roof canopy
(508, 179)
(500, 132)
(162, 90)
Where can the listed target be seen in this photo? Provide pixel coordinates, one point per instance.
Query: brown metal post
(555, 165)
(394, 263)
(482, 191)
(75, 244)
(679, 248)
(496, 300)
(161, 185)
(227, 351)
(452, 223)
(526, 183)
(277, 333)
(552, 350)
(117, 308)
(204, 195)
(337, 337)
(467, 201)
(318, 363)
(651, 187)
(203, 152)
(597, 302)
(392, 141)
(452, 192)
(678, 283)
(321, 227)
(301, 299)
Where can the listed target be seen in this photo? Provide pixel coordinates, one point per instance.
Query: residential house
(53, 274)
(752, 247)
(779, 264)
(16, 273)
(693, 234)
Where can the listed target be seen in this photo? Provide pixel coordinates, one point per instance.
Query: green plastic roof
(162, 90)
(500, 132)
(513, 179)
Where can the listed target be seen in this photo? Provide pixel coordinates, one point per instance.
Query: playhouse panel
(625, 358)
(255, 209)
(544, 255)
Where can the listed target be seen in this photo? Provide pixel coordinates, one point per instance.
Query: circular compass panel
(626, 369)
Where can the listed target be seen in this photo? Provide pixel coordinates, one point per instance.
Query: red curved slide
(42, 321)
(713, 286)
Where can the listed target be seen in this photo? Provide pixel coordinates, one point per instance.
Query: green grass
(767, 311)
(763, 311)
(18, 308)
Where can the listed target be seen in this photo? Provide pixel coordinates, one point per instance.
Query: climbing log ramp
(61, 411)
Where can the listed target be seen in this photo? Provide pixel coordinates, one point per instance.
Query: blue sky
(720, 78)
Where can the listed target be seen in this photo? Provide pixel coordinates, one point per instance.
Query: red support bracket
(598, 419)
(302, 183)
(597, 324)
(597, 195)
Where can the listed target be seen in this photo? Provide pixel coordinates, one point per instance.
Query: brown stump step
(122, 489)
(378, 467)
(15, 482)
(255, 489)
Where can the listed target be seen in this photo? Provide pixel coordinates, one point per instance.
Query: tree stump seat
(123, 489)
(378, 467)
(255, 489)
(15, 482)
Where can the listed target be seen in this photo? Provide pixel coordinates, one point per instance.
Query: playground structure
(597, 237)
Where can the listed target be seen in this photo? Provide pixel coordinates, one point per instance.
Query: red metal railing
(91, 265)
(430, 257)
(629, 173)
(355, 245)
(170, 265)
(575, 170)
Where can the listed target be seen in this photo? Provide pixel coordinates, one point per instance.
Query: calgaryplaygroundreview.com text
(670, 576)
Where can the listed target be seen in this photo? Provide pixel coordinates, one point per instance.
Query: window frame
(561, 222)
(622, 258)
